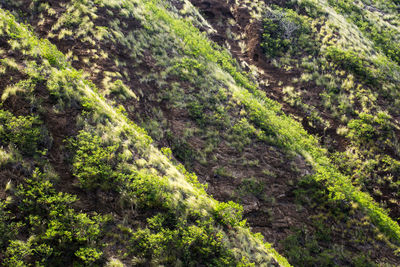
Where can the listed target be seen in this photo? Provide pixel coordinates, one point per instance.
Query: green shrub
(284, 30)
(230, 213)
(88, 255)
(94, 162)
(146, 190)
(58, 231)
(274, 43)
(37, 196)
(7, 229)
(352, 62)
(23, 131)
(17, 254)
(190, 244)
(371, 130)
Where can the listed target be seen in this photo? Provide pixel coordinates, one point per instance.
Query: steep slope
(341, 78)
(338, 71)
(190, 95)
(133, 203)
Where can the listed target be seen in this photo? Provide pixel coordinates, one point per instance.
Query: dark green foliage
(7, 230)
(172, 241)
(363, 261)
(196, 111)
(353, 62)
(25, 132)
(181, 149)
(371, 130)
(302, 249)
(145, 190)
(229, 213)
(285, 30)
(94, 162)
(309, 191)
(314, 194)
(58, 234)
(273, 42)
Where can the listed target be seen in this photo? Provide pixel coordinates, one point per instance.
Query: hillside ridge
(179, 110)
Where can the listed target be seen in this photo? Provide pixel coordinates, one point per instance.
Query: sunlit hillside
(199, 133)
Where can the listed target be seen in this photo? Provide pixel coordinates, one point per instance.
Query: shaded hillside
(153, 64)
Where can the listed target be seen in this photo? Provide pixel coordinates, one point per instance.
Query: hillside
(199, 133)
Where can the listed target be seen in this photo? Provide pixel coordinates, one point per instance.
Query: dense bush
(172, 241)
(285, 30)
(24, 131)
(7, 230)
(58, 234)
(95, 163)
(371, 130)
(230, 213)
(353, 62)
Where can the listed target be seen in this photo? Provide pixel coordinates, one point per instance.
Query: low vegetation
(122, 102)
(114, 156)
